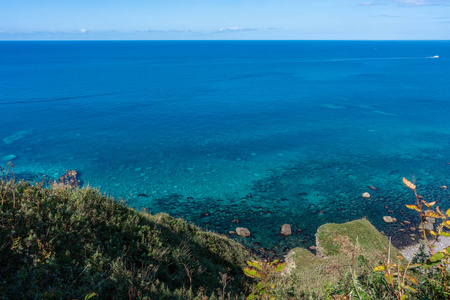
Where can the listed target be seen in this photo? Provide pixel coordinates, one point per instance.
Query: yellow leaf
(432, 214)
(413, 207)
(379, 268)
(409, 184)
(432, 232)
(448, 212)
(440, 212)
(430, 204)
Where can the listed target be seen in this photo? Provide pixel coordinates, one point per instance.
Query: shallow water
(264, 132)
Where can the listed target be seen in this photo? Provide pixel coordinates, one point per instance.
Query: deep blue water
(267, 132)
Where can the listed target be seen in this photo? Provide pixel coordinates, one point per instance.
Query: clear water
(266, 132)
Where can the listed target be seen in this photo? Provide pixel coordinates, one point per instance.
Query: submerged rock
(365, 195)
(7, 158)
(286, 230)
(241, 231)
(17, 136)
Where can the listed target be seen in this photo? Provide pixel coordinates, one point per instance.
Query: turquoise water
(265, 132)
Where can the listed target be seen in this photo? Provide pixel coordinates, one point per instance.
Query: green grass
(67, 243)
(360, 232)
(357, 245)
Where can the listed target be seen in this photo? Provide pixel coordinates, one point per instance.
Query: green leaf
(280, 267)
(379, 268)
(412, 279)
(437, 256)
(430, 264)
(389, 277)
(414, 266)
(252, 273)
(251, 296)
(403, 297)
(259, 286)
(447, 234)
(411, 289)
(274, 262)
(448, 212)
(89, 296)
(255, 264)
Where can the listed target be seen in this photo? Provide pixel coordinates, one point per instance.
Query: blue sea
(230, 134)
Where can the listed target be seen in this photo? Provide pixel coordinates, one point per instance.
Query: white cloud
(231, 29)
(83, 30)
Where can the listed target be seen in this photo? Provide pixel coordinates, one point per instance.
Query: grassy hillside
(63, 243)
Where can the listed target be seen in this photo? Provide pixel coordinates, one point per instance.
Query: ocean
(230, 134)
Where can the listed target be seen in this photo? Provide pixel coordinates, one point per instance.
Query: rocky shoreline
(409, 251)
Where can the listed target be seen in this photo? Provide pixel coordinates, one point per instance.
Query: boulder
(430, 219)
(365, 195)
(389, 219)
(429, 226)
(286, 230)
(241, 231)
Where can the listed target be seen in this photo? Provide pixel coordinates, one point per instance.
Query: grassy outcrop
(333, 239)
(355, 246)
(63, 243)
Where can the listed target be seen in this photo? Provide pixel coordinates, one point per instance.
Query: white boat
(436, 56)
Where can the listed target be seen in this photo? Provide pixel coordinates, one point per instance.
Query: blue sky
(224, 19)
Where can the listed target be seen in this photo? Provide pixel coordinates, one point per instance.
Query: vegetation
(359, 263)
(265, 273)
(345, 253)
(63, 243)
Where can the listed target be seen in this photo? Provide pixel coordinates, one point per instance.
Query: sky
(225, 20)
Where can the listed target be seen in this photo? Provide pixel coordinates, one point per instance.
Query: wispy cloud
(408, 3)
(234, 29)
(83, 30)
(165, 30)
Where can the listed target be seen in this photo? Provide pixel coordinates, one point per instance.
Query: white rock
(241, 231)
(389, 219)
(286, 230)
(365, 195)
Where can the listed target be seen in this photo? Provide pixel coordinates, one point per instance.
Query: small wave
(385, 113)
(56, 99)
